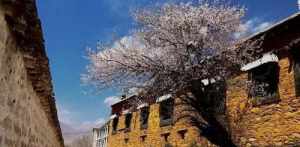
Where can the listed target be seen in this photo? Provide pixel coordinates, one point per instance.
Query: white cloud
(88, 125)
(76, 130)
(72, 129)
(129, 42)
(111, 100)
(64, 115)
(252, 26)
(262, 26)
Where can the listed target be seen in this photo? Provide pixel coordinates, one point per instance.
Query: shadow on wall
(205, 108)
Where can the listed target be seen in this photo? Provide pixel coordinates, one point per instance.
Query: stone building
(28, 116)
(272, 117)
(263, 113)
(150, 124)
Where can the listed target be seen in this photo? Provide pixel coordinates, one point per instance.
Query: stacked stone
(269, 125)
(24, 25)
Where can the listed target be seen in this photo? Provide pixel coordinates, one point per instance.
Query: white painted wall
(100, 136)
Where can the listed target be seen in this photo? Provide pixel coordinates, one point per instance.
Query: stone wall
(154, 133)
(28, 116)
(268, 125)
(274, 124)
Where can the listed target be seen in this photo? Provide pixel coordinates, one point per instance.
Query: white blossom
(174, 45)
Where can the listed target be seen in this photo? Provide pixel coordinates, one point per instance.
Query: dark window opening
(126, 140)
(297, 77)
(115, 125)
(166, 112)
(182, 133)
(264, 84)
(296, 66)
(214, 98)
(128, 121)
(143, 138)
(165, 136)
(168, 145)
(144, 115)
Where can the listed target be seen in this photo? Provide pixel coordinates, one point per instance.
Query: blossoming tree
(174, 47)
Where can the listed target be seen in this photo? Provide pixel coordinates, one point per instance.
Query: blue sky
(70, 26)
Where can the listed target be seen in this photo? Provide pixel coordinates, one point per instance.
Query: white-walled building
(100, 136)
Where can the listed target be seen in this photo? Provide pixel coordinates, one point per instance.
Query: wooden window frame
(126, 140)
(295, 53)
(264, 84)
(297, 78)
(163, 105)
(165, 136)
(127, 121)
(143, 138)
(182, 133)
(115, 123)
(144, 112)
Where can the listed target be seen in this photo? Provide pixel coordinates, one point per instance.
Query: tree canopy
(172, 46)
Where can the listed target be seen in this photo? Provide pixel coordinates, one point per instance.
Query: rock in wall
(180, 133)
(28, 116)
(274, 124)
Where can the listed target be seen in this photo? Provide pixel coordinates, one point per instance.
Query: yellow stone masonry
(268, 125)
(275, 124)
(153, 133)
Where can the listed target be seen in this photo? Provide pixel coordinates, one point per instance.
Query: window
(296, 57)
(165, 136)
(144, 115)
(143, 138)
(126, 140)
(214, 97)
(297, 77)
(182, 133)
(128, 121)
(166, 112)
(264, 84)
(115, 124)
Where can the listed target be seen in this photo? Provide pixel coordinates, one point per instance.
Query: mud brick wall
(268, 125)
(28, 116)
